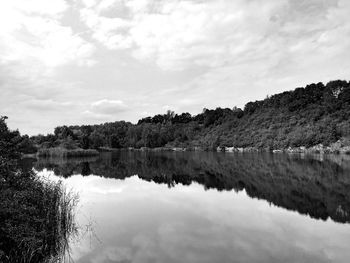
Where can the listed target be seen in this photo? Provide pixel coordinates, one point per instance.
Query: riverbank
(339, 147)
(37, 218)
(335, 148)
(155, 149)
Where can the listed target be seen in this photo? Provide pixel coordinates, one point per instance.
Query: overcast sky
(89, 61)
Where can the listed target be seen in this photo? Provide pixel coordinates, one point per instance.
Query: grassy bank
(36, 215)
(37, 218)
(62, 152)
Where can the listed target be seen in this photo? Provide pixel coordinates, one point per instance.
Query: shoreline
(335, 148)
(317, 149)
(61, 152)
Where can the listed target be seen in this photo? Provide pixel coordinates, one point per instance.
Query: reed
(38, 219)
(66, 153)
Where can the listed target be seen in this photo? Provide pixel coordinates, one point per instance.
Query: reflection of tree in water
(85, 168)
(318, 188)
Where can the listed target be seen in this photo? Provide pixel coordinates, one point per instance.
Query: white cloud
(178, 35)
(35, 45)
(188, 54)
(108, 107)
(14, 9)
(32, 31)
(105, 29)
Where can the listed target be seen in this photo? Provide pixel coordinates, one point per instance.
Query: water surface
(208, 207)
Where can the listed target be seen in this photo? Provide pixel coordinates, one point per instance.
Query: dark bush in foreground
(36, 214)
(37, 218)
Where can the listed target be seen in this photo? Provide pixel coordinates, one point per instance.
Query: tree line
(306, 116)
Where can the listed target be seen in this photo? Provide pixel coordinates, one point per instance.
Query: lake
(207, 207)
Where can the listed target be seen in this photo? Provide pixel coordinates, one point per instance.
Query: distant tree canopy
(306, 116)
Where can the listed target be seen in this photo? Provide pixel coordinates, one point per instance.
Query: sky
(90, 61)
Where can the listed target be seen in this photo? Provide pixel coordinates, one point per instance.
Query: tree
(169, 115)
(115, 141)
(63, 132)
(85, 142)
(8, 141)
(26, 145)
(96, 139)
(69, 143)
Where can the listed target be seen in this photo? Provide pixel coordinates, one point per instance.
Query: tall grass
(62, 152)
(38, 222)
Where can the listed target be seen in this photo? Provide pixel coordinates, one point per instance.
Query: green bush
(36, 215)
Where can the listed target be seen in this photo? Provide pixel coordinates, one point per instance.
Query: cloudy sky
(90, 61)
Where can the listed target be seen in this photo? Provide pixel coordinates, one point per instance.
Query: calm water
(208, 207)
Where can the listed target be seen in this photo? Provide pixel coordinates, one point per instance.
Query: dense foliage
(12, 143)
(35, 215)
(307, 116)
